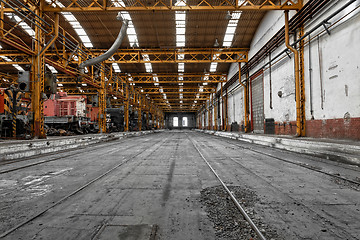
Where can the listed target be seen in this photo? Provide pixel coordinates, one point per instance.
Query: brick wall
(327, 128)
(334, 128)
(285, 128)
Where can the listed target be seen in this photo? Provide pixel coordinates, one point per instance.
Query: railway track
(84, 186)
(300, 164)
(276, 189)
(98, 146)
(231, 195)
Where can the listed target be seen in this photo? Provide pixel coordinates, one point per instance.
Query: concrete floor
(152, 191)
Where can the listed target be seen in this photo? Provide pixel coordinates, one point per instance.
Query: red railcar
(70, 113)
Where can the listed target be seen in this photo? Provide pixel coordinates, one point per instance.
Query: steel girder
(179, 55)
(169, 5)
(10, 58)
(177, 90)
(175, 78)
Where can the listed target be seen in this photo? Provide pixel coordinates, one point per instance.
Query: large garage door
(257, 102)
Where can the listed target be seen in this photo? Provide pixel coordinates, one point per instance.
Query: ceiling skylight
(131, 32)
(22, 24)
(181, 67)
(133, 39)
(180, 23)
(116, 67)
(14, 65)
(52, 69)
(231, 28)
(213, 66)
(74, 23)
(229, 34)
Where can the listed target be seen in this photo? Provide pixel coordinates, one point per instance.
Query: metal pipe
(43, 20)
(270, 82)
(320, 73)
(297, 74)
(26, 16)
(303, 37)
(109, 52)
(324, 22)
(310, 80)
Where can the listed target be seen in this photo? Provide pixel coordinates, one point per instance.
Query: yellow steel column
(139, 115)
(302, 85)
(157, 120)
(215, 115)
(126, 109)
(226, 110)
(38, 69)
(153, 120)
(102, 102)
(246, 100)
(209, 113)
(222, 107)
(300, 113)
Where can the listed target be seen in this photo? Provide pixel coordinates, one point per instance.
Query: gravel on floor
(226, 218)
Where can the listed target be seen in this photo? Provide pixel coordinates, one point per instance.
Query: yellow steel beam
(177, 91)
(175, 78)
(180, 55)
(171, 99)
(79, 91)
(180, 110)
(10, 58)
(62, 59)
(168, 5)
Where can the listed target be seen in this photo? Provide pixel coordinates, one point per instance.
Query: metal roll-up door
(257, 103)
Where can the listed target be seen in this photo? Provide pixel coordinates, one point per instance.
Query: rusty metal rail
(233, 198)
(6, 233)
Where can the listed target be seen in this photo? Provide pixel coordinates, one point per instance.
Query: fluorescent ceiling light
(116, 67)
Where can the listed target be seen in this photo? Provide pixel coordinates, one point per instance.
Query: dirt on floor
(226, 218)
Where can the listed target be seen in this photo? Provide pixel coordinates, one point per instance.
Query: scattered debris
(228, 221)
(346, 184)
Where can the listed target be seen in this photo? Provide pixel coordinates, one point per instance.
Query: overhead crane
(65, 58)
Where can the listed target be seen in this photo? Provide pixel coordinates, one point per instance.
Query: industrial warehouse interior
(180, 119)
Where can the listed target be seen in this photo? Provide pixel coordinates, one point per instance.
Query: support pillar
(153, 120)
(215, 115)
(299, 81)
(222, 108)
(102, 103)
(126, 110)
(139, 119)
(246, 100)
(37, 88)
(226, 110)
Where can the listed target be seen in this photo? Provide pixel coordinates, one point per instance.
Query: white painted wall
(340, 73)
(340, 66)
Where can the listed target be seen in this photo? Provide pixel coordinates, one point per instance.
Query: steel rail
(233, 198)
(297, 163)
(4, 234)
(98, 145)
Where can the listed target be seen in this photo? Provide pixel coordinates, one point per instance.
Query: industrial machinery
(115, 119)
(14, 121)
(70, 113)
